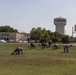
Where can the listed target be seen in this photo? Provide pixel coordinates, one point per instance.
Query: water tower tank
(60, 24)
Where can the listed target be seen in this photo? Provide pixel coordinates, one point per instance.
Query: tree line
(7, 29)
(41, 34)
(44, 35)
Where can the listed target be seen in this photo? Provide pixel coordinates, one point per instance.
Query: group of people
(66, 47)
(19, 50)
(55, 46)
(43, 44)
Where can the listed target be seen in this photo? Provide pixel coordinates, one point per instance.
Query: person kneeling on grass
(56, 46)
(17, 51)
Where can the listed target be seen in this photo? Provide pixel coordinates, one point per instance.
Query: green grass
(36, 61)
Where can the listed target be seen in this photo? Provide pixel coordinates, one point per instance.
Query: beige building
(13, 36)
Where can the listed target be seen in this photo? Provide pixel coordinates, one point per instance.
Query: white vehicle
(3, 41)
(25, 41)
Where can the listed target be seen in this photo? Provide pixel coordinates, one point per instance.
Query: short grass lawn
(36, 61)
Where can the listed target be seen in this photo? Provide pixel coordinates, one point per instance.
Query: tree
(65, 39)
(7, 29)
(45, 38)
(35, 34)
(49, 32)
(39, 34)
(55, 39)
(45, 35)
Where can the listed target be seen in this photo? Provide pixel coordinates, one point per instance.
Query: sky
(27, 14)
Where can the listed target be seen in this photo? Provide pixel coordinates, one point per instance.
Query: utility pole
(73, 31)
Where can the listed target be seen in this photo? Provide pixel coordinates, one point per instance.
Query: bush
(65, 39)
(55, 39)
(44, 39)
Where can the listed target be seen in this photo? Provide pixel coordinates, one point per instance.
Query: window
(1, 37)
(7, 39)
(7, 34)
(4, 38)
(2, 34)
(61, 20)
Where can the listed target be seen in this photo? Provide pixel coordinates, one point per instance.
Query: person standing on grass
(49, 43)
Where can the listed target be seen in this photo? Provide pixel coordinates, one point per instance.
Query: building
(60, 24)
(13, 36)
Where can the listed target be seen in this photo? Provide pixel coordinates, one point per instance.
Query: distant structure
(60, 23)
(13, 36)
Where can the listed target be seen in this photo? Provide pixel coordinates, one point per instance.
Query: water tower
(60, 23)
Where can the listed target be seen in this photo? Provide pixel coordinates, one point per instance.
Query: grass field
(36, 61)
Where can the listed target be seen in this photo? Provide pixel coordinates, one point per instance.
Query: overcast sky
(26, 14)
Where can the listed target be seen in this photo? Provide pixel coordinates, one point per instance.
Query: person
(31, 46)
(44, 45)
(49, 43)
(66, 48)
(18, 51)
(56, 46)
